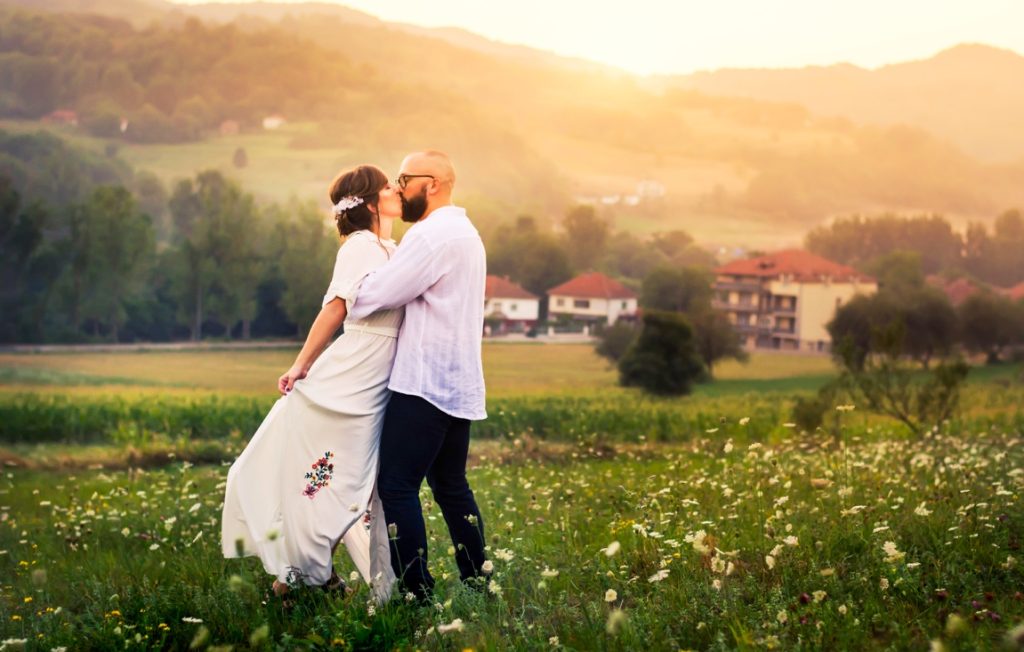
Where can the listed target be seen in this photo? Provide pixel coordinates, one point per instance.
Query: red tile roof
(593, 285)
(1016, 292)
(959, 289)
(802, 266)
(502, 288)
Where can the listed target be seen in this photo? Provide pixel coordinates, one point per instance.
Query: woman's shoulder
(363, 241)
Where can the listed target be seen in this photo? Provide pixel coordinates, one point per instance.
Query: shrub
(664, 358)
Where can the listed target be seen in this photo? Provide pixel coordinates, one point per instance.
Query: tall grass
(618, 416)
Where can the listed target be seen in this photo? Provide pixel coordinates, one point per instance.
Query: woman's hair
(364, 182)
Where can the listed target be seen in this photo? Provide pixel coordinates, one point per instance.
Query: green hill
(530, 131)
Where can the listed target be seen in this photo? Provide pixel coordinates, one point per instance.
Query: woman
(307, 478)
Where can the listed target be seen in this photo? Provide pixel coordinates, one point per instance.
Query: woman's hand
(286, 382)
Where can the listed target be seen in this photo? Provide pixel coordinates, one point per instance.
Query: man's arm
(397, 282)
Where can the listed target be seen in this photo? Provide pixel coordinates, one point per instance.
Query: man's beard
(414, 207)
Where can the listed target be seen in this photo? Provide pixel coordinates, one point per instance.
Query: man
(438, 274)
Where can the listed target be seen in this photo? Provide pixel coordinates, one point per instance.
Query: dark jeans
(420, 441)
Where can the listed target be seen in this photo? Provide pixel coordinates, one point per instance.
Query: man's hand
(286, 382)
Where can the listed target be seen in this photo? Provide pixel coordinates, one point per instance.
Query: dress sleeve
(357, 257)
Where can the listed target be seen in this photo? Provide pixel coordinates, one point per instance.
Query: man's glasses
(403, 179)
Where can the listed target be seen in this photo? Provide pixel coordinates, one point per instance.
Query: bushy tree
(926, 320)
(716, 339)
(664, 358)
(685, 289)
(528, 255)
(991, 323)
(614, 341)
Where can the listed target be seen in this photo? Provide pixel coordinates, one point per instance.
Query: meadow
(613, 521)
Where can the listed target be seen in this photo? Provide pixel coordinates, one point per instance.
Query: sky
(683, 36)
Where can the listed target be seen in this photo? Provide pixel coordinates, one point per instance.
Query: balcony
(744, 306)
(740, 286)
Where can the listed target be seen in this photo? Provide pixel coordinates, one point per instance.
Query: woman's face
(390, 203)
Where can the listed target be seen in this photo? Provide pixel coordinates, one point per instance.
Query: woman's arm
(324, 326)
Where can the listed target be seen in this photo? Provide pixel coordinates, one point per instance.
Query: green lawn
(510, 369)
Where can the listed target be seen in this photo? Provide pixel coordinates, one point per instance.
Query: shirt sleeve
(408, 274)
(357, 257)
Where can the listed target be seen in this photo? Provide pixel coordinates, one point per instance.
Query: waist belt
(386, 331)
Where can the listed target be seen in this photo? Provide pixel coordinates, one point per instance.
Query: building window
(496, 306)
(559, 302)
(581, 303)
(624, 305)
(513, 307)
(839, 302)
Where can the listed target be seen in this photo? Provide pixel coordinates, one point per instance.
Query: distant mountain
(972, 95)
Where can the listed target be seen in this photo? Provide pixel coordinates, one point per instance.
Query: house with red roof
(592, 297)
(784, 300)
(959, 289)
(508, 307)
(1016, 293)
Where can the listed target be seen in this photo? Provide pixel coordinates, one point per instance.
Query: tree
(931, 324)
(211, 217)
(152, 197)
(856, 240)
(686, 289)
(879, 381)
(716, 339)
(120, 247)
(240, 159)
(664, 359)
(305, 263)
(991, 323)
(897, 271)
(586, 237)
(997, 258)
(25, 272)
(528, 255)
(926, 321)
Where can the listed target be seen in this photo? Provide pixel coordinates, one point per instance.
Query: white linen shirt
(438, 273)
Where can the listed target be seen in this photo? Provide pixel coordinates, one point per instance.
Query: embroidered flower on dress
(320, 476)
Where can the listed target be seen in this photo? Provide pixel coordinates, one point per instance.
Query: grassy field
(804, 545)
(509, 369)
(614, 521)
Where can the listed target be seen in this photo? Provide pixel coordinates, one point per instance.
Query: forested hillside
(526, 131)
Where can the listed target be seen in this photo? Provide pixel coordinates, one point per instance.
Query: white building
(785, 300)
(515, 308)
(592, 297)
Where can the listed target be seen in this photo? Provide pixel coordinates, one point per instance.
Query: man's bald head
(426, 180)
(432, 162)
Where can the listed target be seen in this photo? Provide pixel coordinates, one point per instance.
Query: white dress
(307, 479)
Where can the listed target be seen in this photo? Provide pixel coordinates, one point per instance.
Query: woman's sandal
(335, 585)
(280, 591)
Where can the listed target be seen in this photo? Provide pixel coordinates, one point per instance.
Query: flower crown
(347, 202)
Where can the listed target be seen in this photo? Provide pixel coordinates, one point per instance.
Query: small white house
(592, 297)
(275, 121)
(513, 307)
